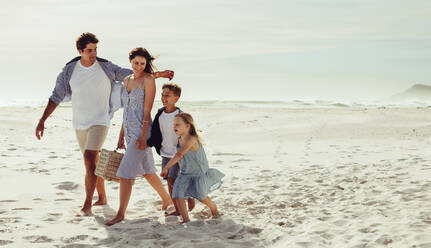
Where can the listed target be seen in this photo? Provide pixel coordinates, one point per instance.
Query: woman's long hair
(188, 119)
(140, 51)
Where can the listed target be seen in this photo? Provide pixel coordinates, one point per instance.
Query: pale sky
(235, 50)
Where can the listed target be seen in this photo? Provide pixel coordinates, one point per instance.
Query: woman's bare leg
(125, 192)
(157, 185)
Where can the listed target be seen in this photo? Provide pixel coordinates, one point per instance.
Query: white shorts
(92, 138)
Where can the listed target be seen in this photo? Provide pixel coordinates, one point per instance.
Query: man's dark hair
(84, 39)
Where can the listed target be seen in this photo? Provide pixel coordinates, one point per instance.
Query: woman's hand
(120, 144)
(141, 143)
(164, 173)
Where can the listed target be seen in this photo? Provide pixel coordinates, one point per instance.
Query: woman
(137, 98)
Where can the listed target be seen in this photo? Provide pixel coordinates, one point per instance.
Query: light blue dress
(135, 162)
(195, 179)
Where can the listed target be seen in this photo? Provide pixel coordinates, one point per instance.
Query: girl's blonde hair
(188, 119)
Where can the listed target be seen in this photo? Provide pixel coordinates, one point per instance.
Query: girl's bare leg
(190, 202)
(125, 192)
(212, 207)
(157, 185)
(181, 204)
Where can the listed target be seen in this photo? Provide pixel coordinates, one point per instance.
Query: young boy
(163, 137)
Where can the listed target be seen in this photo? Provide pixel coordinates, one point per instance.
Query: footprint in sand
(384, 240)
(5, 242)
(75, 221)
(74, 239)
(242, 160)
(10, 220)
(305, 244)
(144, 236)
(64, 199)
(38, 239)
(227, 154)
(51, 217)
(140, 221)
(66, 185)
(6, 201)
(18, 209)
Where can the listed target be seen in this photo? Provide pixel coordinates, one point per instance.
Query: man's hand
(39, 129)
(141, 143)
(166, 74)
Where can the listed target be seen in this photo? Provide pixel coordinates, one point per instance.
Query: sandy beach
(295, 177)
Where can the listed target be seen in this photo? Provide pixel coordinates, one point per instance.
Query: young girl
(137, 98)
(195, 178)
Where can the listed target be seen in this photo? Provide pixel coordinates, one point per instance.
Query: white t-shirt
(91, 89)
(169, 143)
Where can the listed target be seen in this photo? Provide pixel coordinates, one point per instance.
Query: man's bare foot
(166, 204)
(191, 204)
(100, 202)
(114, 220)
(174, 213)
(85, 211)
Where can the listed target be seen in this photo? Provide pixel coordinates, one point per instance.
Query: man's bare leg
(100, 187)
(181, 204)
(157, 185)
(90, 180)
(125, 193)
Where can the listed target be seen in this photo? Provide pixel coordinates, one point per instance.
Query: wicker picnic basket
(108, 164)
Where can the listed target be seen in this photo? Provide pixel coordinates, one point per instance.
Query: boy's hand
(164, 173)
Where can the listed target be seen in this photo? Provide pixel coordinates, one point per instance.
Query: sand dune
(335, 177)
(418, 92)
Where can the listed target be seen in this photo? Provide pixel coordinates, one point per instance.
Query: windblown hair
(188, 119)
(84, 39)
(175, 88)
(140, 51)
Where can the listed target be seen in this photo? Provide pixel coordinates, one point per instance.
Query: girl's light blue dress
(195, 179)
(135, 162)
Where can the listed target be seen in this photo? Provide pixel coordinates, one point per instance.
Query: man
(90, 82)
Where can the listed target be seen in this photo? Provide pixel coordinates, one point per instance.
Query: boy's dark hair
(142, 52)
(175, 88)
(84, 39)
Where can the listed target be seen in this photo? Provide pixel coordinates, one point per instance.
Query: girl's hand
(141, 143)
(164, 173)
(120, 144)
